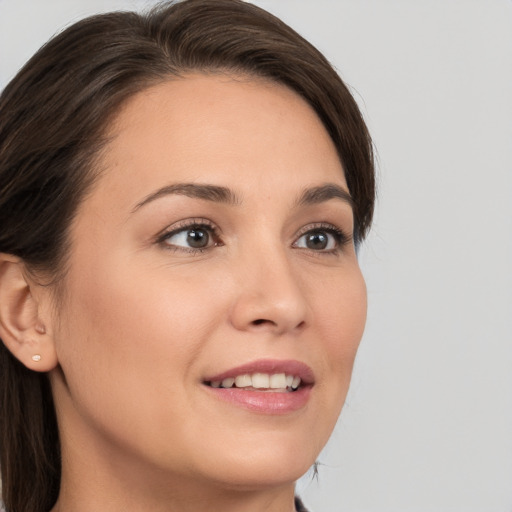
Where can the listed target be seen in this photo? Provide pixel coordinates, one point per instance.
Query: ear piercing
(40, 328)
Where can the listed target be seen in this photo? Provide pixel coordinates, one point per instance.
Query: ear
(22, 330)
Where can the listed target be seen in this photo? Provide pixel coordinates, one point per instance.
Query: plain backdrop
(428, 422)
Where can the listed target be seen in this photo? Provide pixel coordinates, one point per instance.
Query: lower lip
(265, 402)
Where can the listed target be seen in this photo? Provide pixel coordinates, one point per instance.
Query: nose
(269, 296)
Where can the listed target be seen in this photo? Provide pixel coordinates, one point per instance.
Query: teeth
(275, 381)
(243, 381)
(260, 381)
(228, 383)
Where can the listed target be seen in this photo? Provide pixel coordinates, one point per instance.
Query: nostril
(263, 321)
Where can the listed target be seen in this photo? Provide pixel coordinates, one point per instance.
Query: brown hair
(53, 115)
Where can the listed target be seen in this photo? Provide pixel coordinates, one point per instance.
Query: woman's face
(215, 244)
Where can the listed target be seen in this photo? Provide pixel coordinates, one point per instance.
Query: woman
(180, 299)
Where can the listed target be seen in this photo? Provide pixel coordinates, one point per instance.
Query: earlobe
(23, 332)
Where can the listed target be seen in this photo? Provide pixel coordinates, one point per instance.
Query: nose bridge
(270, 295)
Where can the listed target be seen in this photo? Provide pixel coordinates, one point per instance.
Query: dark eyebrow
(199, 191)
(324, 193)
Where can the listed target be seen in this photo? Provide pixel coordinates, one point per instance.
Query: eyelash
(340, 237)
(188, 225)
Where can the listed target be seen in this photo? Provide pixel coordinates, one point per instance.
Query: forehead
(232, 131)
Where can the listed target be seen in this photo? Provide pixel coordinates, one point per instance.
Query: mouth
(263, 382)
(265, 386)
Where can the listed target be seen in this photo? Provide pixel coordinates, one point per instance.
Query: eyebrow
(219, 194)
(213, 193)
(325, 193)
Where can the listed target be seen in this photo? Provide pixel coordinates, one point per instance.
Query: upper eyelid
(321, 225)
(178, 226)
(316, 225)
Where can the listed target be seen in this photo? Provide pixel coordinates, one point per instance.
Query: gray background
(428, 421)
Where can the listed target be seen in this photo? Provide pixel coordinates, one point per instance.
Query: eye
(322, 238)
(192, 237)
(317, 241)
(195, 238)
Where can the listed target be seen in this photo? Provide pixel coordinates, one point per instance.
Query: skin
(143, 322)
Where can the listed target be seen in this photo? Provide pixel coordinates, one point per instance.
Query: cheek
(133, 334)
(129, 351)
(341, 322)
(344, 322)
(341, 311)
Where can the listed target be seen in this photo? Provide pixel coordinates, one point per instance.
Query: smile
(276, 382)
(265, 386)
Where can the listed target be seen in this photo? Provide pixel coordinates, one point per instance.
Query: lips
(269, 367)
(266, 386)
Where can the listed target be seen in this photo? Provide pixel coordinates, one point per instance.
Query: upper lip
(270, 366)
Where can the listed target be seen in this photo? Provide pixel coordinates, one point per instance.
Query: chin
(267, 474)
(264, 461)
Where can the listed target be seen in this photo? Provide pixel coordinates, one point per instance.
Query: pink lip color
(266, 402)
